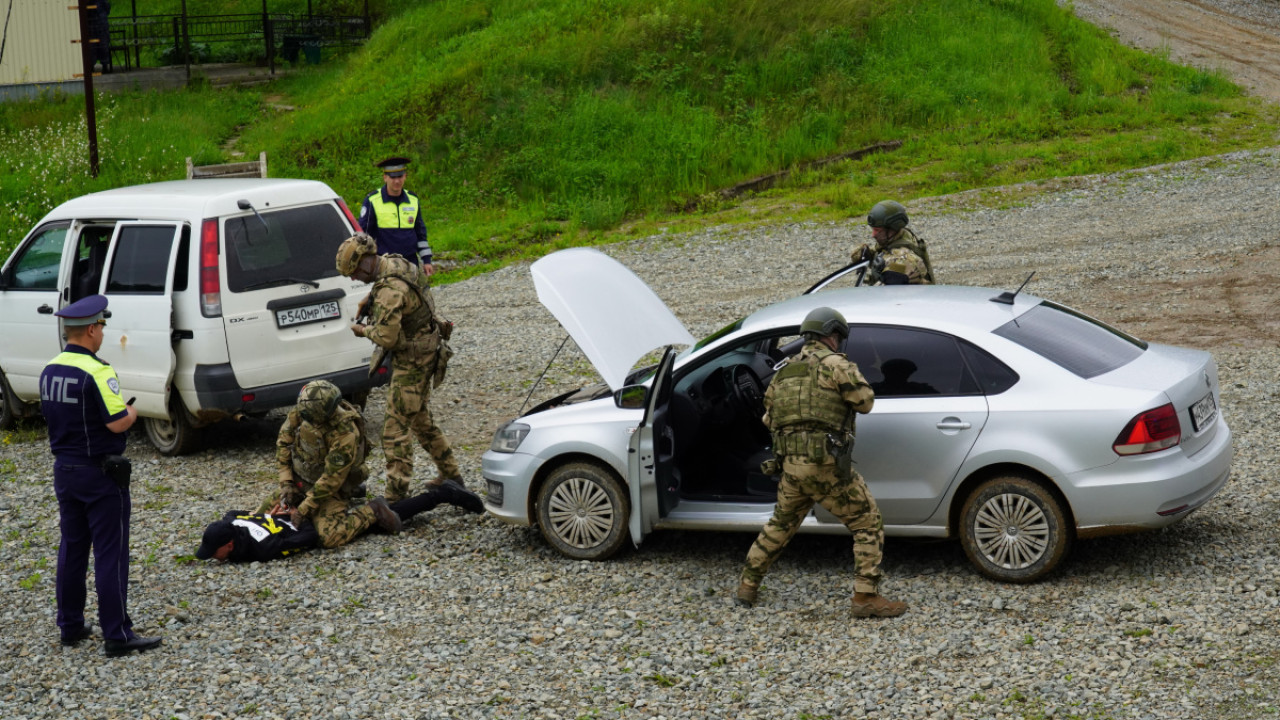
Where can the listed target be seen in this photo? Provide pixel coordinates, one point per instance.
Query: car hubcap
(1011, 531)
(581, 513)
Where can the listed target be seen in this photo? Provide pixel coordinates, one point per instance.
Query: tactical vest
(909, 240)
(800, 403)
(392, 214)
(421, 321)
(311, 448)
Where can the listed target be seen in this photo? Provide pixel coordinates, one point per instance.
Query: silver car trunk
(1186, 377)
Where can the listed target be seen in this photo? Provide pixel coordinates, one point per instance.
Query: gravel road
(464, 617)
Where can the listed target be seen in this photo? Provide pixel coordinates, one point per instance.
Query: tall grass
(533, 123)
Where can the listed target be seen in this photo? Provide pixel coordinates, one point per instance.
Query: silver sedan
(1004, 420)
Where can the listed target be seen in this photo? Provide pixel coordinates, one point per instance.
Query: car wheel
(174, 435)
(10, 409)
(1014, 530)
(583, 511)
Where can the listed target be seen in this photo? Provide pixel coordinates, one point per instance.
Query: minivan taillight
(210, 285)
(350, 218)
(1150, 431)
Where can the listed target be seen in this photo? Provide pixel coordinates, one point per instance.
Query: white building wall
(36, 37)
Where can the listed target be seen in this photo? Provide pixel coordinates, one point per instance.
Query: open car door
(139, 283)
(650, 480)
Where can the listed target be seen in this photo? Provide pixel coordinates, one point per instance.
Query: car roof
(207, 197)
(950, 308)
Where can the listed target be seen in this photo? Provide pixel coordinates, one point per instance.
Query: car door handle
(45, 309)
(953, 424)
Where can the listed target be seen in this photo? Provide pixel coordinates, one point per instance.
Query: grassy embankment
(535, 125)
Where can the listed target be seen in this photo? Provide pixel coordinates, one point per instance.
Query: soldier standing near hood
(809, 408)
(899, 256)
(403, 321)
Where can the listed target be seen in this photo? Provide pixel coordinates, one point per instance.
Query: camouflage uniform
(818, 403)
(905, 254)
(321, 465)
(403, 322)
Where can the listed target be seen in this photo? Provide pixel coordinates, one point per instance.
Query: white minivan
(223, 297)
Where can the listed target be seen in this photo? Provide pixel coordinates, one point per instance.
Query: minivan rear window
(1077, 342)
(296, 244)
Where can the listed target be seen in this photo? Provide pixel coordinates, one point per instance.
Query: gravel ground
(465, 617)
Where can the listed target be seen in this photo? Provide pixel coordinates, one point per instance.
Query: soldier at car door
(403, 321)
(810, 407)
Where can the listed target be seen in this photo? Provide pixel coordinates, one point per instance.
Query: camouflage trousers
(803, 484)
(409, 418)
(340, 521)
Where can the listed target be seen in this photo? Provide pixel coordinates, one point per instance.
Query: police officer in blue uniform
(88, 424)
(393, 216)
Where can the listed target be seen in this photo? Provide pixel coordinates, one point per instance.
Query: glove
(862, 253)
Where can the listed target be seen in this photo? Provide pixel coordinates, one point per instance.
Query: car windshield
(1077, 342)
(286, 246)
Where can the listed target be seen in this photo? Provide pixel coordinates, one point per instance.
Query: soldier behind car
(809, 408)
(899, 256)
(320, 452)
(403, 321)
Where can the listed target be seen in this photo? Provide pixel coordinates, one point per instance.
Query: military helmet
(824, 321)
(888, 214)
(318, 400)
(352, 250)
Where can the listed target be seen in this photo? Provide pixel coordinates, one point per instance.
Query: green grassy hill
(534, 124)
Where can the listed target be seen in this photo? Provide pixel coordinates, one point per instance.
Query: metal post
(271, 44)
(90, 112)
(186, 42)
(137, 49)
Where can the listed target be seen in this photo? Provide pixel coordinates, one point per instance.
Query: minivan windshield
(295, 245)
(1075, 341)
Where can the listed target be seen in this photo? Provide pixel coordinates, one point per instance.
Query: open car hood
(613, 316)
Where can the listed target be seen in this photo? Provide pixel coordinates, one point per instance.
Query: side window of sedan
(908, 362)
(37, 267)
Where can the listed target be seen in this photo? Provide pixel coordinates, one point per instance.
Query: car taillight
(1150, 431)
(210, 285)
(351, 218)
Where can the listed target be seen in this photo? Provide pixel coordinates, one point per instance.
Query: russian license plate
(308, 314)
(493, 492)
(1203, 412)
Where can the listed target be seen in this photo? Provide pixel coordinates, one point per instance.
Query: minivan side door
(138, 283)
(28, 299)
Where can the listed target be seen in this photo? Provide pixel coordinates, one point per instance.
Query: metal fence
(280, 34)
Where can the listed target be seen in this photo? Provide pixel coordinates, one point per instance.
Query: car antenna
(1007, 297)
(544, 374)
(246, 205)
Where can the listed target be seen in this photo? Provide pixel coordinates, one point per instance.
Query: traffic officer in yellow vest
(88, 426)
(392, 216)
(809, 408)
(403, 321)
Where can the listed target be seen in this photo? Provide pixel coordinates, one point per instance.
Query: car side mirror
(632, 396)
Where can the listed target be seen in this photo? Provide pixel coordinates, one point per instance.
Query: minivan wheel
(1014, 530)
(10, 409)
(583, 511)
(173, 435)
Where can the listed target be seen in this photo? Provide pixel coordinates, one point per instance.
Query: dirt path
(1241, 37)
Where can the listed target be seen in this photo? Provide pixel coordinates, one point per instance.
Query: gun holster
(842, 450)
(119, 469)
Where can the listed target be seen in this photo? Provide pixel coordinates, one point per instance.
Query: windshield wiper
(281, 281)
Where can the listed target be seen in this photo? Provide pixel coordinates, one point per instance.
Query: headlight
(509, 437)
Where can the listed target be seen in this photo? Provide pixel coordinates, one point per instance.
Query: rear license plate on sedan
(307, 314)
(1203, 412)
